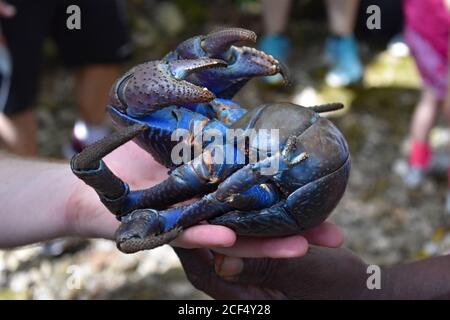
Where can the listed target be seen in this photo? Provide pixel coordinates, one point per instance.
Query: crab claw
(216, 44)
(213, 45)
(249, 62)
(157, 84)
(243, 64)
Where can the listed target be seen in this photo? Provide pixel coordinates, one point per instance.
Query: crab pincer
(154, 85)
(243, 62)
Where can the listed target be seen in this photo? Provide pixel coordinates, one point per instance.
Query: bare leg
(275, 15)
(18, 133)
(91, 91)
(424, 116)
(342, 16)
(341, 48)
(419, 150)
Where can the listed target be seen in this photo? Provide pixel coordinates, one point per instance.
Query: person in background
(341, 50)
(427, 30)
(93, 52)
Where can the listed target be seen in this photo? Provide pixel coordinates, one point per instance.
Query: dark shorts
(102, 39)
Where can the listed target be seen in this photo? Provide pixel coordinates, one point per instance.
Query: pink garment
(427, 30)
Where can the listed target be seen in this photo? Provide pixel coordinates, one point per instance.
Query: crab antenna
(327, 107)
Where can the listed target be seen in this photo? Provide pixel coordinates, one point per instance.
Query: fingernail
(227, 267)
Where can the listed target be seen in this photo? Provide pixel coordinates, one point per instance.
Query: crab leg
(88, 166)
(182, 184)
(245, 189)
(148, 228)
(303, 209)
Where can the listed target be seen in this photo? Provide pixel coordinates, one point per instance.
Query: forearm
(346, 276)
(349, 279)
(33, 198)
(425, 279)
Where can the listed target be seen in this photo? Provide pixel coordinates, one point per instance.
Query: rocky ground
(383, 221)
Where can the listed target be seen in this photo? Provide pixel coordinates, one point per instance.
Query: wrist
(73, 208)
(85, 215)
(423, 279)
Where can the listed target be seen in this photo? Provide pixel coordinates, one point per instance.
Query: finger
(226, 266)
(247, 271)
(205, 236)
(326, 235)
(7, 10)
(199, 269)
(248, 247)
(265, 272)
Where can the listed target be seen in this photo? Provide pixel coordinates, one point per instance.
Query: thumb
(198, 267)
(263, 272)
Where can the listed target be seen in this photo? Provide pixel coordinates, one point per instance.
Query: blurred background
(386, 218)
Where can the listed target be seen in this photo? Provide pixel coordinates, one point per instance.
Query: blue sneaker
(346, 68)
(278, 46)
(331, 50)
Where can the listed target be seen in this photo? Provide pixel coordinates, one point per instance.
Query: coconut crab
(191, 89)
